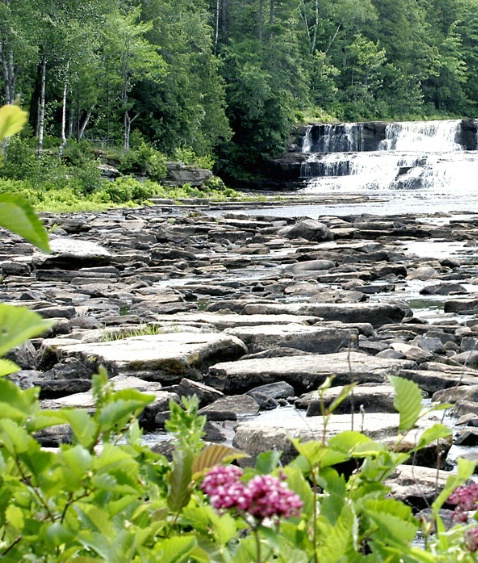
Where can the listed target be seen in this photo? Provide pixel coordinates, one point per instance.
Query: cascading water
(434, 155)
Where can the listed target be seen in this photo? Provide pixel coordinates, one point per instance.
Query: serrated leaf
(177, 549)
(436, 432)
(85, 429)
(407, 401)
(18, 325)
(117, 413)
(179, 479)
(18, 216)
(12, 120)
(349, 440)
(215, 454)
(339, 538)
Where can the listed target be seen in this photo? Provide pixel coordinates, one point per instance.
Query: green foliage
(143, 161)
(107, 497)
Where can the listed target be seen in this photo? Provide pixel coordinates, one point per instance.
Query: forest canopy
(228, 78)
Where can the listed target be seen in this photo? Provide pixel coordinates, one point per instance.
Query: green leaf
(177, 549)
(393, 519)
(350, 440)
(268, 461)
(215, 454)
(117, 414)
(436, 432)
(77, 462)
(84, 428)
(18, 325)
(407, 401)
(14, 517)
(179, 479)
(7, 367)
(12, 120)
(465, 471)
(18, 216)
(344, 393)
(298, 483)
(339, 538)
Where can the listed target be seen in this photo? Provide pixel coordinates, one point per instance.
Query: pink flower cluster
(471, 539)
(466, 500)
(263, 496)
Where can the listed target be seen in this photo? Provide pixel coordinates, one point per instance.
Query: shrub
(144, 161)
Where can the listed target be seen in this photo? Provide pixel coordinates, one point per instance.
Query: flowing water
(406, 167)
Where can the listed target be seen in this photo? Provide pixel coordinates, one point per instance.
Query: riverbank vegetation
(226, 80)
(107, 496)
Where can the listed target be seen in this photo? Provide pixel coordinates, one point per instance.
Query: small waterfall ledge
(381, 156)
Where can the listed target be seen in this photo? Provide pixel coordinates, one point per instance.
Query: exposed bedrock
(252, 314)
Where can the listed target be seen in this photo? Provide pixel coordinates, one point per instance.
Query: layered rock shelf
(252, 314)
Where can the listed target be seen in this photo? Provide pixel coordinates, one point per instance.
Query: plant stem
(258, 545)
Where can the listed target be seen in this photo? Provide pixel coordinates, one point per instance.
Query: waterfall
(396, 156)
(438, 136)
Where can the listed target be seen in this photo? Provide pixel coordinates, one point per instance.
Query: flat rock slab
(231, 320)
(69, 253)
(303, 372)
(436, 380)
(376, 314)
(268, 433)
(314, 339)
(416, 485)
(166, 358)
(370, 398)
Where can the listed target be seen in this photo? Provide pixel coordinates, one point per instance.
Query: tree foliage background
(228, 78)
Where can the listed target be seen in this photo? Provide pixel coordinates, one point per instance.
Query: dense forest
(228, 78)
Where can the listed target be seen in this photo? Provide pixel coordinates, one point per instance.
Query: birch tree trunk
(41, 113)
(63, 112)
(8, 67)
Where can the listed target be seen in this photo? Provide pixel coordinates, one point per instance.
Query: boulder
(308, 229)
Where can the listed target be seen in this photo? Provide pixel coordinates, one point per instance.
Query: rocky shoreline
(252, 313)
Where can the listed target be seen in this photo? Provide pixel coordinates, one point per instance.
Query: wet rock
(314, 339)
(466, 438)
(265, 434)
(377, 314)
(307, 229)
(24, 355)
(166, 358)
(459, 393)
(188, 388)
(415, 485)
(461, 306)
(444, 289)
(422, 273)
(238, 404)
(69, 253)
(364, 398)
(303, 372)
(463, 407)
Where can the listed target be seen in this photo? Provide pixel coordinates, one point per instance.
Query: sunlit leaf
(18, 325)
(12, 120)
(18, 216)
(407, 401)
